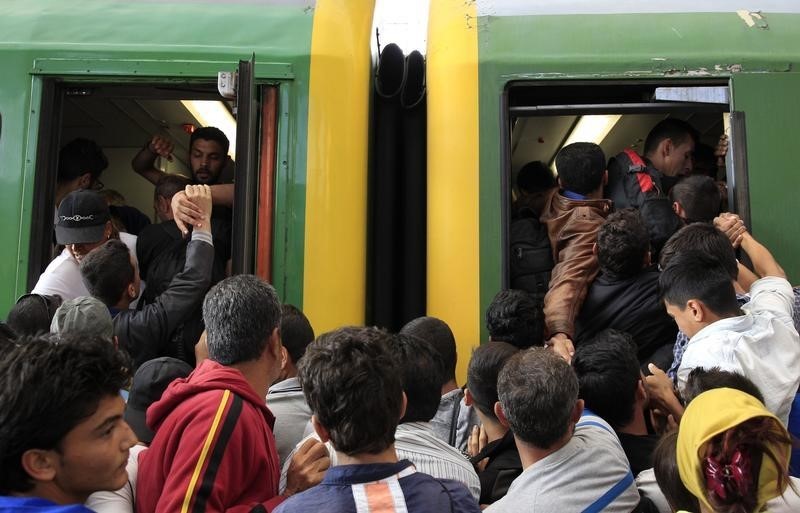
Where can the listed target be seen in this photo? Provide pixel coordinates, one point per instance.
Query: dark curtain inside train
(396, 242)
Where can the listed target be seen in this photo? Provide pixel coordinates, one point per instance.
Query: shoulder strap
(454, 423)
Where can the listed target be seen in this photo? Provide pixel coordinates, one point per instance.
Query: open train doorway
(541, 118)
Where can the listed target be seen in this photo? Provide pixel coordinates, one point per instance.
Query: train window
(541, 118)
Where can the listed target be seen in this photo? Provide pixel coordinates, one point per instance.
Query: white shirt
(119, 501)
(63, 275)
(763, 345)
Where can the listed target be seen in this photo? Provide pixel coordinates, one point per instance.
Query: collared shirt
(682, 340)
(416, 441)
(287, 402)
(763, 345)
(418, 493)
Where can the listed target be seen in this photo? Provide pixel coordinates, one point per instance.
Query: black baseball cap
(149, 383)
(82, 218)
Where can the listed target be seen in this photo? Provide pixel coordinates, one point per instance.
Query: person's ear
(284, 357)
(648, 259)
(405, 405)
(605, 177)
(560, 183)
(322, 432)
(468, 397)
(698, 310)
(274, 344)
(501, 414)
(594, 248)
(40, 464)
(678, 209)
(108, 230)
(85, 181)
(577, 411)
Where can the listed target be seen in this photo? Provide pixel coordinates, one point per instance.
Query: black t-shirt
(639, 450)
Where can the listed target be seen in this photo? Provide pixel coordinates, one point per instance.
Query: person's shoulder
(426, 489)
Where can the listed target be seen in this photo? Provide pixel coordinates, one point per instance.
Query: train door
(121, 113)
(543, 117)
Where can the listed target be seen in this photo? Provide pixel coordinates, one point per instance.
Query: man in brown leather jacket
(573, 215)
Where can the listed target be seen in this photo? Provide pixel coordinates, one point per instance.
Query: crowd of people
(652, 372)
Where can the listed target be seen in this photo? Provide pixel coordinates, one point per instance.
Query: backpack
(631, 181)
(531, 262)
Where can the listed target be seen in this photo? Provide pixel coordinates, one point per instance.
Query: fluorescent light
(592, 129)
(214, 113)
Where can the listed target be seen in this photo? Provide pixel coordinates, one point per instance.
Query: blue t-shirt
(31, 504)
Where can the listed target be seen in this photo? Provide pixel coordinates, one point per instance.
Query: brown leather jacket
(572, 227)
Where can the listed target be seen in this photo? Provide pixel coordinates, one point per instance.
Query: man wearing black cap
(84, 223)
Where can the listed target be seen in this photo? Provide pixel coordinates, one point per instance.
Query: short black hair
(353, 386)
(107, 270)
(676, 130)
(422, 371)
(581, 166)
(622, 243)
(702, 380)
(484, 367)
(240, 313)
(705, 238)
(538, 391)
(211, 133)
(169, 185)
(48, 385)
(296, 332)
(699, 197)
(78, 157)
(8, 339)
(33, 313)
(535, 177)
(608, 375)
(694, 275)
(511, 317)
(438, 334)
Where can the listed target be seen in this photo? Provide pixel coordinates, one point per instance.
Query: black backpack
(531, 262)
(631, 181)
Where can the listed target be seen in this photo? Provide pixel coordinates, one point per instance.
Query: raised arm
(764, 264)
(144, 161)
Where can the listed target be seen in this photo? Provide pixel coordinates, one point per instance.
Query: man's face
(207, 160)
(680, 160)
(79, 251)
(683, 318)
(137, 280)
(93, 455)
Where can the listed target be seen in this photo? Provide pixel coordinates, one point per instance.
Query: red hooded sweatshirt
(213, 449)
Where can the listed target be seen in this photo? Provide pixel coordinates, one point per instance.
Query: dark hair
(665, 468)
(353, 385)
(754, 438)
(535, 177)
(484, 367)
(608, 375)
(622, 244)
(693, 275)
(661, 222)
(705, 160)
(581, 166)
(699, 197)
(240, 313)
(33, 313)
(538, 391)
(48, 385)
(511, 317)
(169, 185)
(78, 157)
(107, 270)
(8, 339)
(211, 133)
(422, 371)
(702, 380)
(676, 130)
(296, 332)
(438, 334)
(706, 239)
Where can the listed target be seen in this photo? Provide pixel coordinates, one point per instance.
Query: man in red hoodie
(213, 449)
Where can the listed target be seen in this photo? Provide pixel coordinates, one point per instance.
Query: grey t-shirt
(286, 402)
(590, 473)
(452, 407)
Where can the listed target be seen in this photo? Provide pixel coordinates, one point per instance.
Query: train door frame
(270, 83)
(736, 167)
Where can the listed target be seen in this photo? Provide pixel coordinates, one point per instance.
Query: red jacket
(213, 449)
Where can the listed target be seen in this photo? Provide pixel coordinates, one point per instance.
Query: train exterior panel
(315, 53)
(478, 50)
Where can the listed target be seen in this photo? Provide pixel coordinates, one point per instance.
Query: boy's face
(685, 319)
(93, 456)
